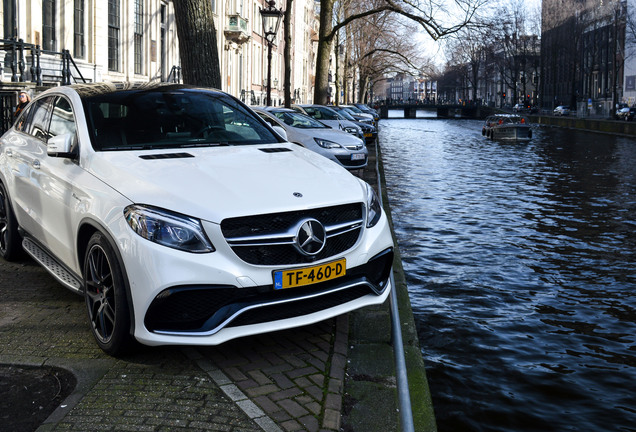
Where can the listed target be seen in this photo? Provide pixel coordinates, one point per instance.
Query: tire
(105, 297)
(10, 239)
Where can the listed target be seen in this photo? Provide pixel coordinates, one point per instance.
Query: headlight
(374, 209)
(327, 144)
(351, 130)
(168, 229)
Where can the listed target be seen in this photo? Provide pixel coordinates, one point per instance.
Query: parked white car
(182, 218)
(331, 118)
(561, 110)
(341, 147)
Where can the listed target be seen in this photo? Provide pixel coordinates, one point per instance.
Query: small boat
(507, 127)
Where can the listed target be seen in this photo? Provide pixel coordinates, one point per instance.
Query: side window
(62, 120)
(314, 113)
(39, 122)
(24, 120)
(267, 119)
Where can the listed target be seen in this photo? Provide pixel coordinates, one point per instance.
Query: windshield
(298, 120)
(129, 120)
(346, 114)
(322, 113)
(354, 109)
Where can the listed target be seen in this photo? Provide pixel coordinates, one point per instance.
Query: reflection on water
(521, 265)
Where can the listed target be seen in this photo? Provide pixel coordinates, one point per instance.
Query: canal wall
(588, 124)
(371, 402)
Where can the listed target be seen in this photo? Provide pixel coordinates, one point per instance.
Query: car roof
(102, 88)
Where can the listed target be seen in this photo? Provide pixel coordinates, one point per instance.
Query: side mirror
(60, 146)
(280, 131)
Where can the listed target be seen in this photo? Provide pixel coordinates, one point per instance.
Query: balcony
(236, 29)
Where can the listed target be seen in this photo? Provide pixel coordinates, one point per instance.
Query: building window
(113, 35)
(138, 36)
(48, 25)
(78, 29)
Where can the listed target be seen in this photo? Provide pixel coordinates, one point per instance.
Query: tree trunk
(287, 35)
(197, 43)
(324, 49)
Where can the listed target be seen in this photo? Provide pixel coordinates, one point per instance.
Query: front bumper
(207, 299)
(205, 310)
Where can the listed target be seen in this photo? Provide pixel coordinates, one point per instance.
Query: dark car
(626, 113)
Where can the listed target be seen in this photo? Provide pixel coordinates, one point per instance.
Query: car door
(43, 183)
(55, 183)
(28, 149)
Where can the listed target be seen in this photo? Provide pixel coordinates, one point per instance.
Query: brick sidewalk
(285, 381)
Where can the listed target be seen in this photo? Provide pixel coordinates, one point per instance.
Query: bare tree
(469, 47)
(431, 16)
(375, 46)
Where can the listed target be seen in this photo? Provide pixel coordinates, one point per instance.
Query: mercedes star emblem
(311, 237)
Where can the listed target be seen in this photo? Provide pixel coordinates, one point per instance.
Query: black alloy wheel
(105, 295)
(10, 239)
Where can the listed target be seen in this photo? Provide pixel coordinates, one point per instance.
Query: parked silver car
(339, 146)
(331, 118)
(562, 110)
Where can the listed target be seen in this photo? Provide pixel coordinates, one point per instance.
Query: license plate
(309, 275)
(357, 156)
(368, 135)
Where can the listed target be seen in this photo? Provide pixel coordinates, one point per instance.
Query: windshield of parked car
(298, 120)
(354, 109)
(159, 118)
(346, 114)
(322, 113)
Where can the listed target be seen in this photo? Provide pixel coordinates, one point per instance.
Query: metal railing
(404, 395)
(17, 53)
(175, 75)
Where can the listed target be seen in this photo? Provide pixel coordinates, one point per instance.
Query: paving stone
(292, 407)
(292, 425)
(291, 392)
(331, 419)
(261, 390)
(282, 381)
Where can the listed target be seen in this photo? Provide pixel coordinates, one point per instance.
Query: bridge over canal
(473, 111)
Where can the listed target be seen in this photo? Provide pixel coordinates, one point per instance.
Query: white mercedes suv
(183, 218)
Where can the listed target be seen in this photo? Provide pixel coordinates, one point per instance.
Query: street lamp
(271, 21)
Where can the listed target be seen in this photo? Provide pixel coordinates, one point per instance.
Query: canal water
(520, 261)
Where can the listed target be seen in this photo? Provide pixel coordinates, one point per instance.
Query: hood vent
(167, 156)
(275, 150)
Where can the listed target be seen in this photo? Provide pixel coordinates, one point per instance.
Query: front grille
(269, 239)
(346, 161)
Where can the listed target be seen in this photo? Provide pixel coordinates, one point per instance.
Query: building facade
(583, 55)
(136, 40)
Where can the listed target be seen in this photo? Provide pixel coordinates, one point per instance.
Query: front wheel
(105, 295)
(10, 239)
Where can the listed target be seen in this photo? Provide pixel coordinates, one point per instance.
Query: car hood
(219, 182)
(338, 136)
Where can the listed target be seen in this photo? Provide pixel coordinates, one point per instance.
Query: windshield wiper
(129, 147)
(205, 144)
